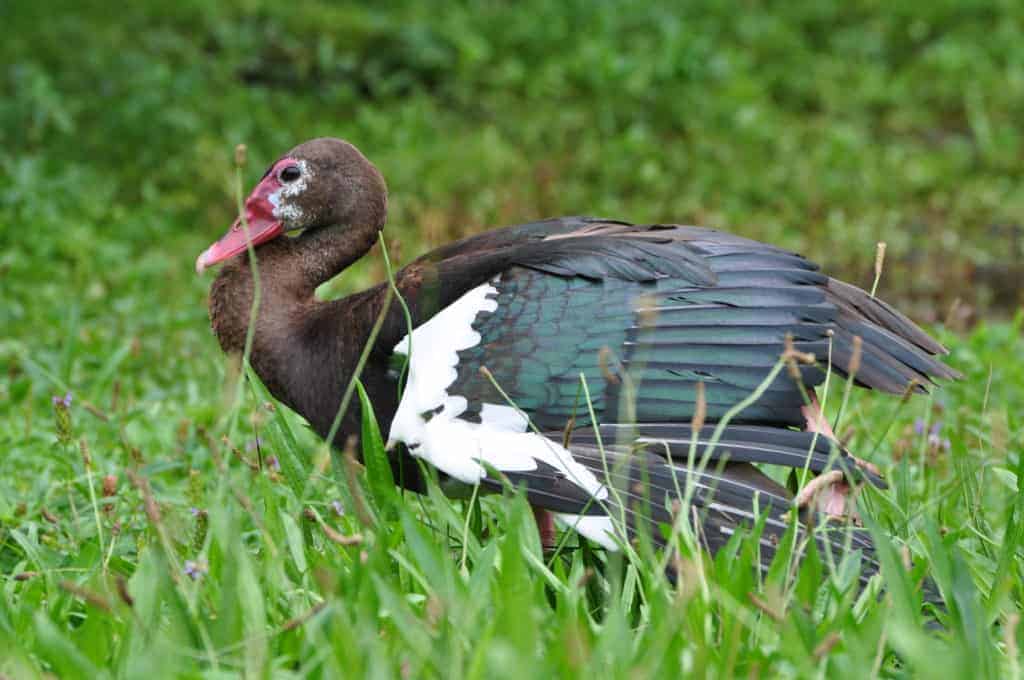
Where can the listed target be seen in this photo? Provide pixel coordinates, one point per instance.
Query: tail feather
(858, 303)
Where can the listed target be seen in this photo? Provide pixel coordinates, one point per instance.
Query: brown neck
(290, 269)
(301, 348)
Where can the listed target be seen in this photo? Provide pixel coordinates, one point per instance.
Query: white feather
(456, 446)
(597, 528)
(435, 348)
(503, 417)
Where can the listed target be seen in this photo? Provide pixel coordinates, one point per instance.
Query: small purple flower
(918, 426)
(946, 444)
(253, 444)
(62, 417)
(937, 427)
(195, 512)
(339, 509)
(274, 464)
(195, 569)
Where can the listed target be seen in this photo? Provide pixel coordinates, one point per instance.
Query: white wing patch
(504, 417)
(597, 528)
(427, 420)
(435, 348)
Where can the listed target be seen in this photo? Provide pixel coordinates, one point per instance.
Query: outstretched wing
(559, 320)
(643, 344)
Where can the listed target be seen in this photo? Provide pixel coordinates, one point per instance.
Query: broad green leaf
(375, 458)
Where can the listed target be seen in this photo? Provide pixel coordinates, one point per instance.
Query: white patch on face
(459, 447)
(289, 211)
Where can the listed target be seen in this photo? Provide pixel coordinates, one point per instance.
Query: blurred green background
(824, 127)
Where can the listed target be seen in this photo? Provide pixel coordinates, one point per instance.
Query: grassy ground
(154, 521)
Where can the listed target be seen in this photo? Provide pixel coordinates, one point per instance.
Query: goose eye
(289, 173)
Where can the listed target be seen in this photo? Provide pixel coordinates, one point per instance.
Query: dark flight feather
(647, 466)
(561, 314)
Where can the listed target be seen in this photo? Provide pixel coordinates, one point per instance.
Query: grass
(162, 525)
